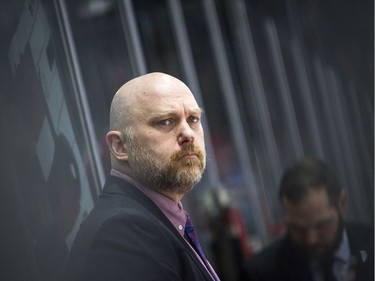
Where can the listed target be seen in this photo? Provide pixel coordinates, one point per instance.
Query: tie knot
(189, 229)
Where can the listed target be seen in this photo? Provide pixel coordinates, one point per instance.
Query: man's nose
(185, 133)
(311, 238)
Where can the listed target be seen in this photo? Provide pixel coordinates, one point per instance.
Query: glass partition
(278, 80)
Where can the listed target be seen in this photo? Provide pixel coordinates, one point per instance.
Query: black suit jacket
(283, 262)
(127, 237)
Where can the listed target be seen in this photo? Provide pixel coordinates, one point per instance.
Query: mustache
(186, 150)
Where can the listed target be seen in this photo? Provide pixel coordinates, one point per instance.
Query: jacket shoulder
(281, 260)
(265, 264)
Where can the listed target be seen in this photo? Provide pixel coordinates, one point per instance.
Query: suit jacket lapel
(361, 243)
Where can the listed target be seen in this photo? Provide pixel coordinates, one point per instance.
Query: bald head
(156, 134)
(137, 92)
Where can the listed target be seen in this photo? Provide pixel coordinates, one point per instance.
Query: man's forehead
(302, 216)
(187, 111)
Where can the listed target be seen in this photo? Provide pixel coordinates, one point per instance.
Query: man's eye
(323, 225)
(165, 122)
(193, 119)
(296, 229)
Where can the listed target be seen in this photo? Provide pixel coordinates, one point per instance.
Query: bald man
(136, 230)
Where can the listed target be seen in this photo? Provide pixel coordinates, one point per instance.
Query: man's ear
(116, 144)
(343, 201)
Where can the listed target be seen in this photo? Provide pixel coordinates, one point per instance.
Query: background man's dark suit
(283, 262)
(123, 221)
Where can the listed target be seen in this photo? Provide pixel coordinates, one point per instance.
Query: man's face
(166, 148)
(314, 224)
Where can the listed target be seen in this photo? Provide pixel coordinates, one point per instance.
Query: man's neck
(176, 197)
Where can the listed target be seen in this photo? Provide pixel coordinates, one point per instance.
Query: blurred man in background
(319, 245)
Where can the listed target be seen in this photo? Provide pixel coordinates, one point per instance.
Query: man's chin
(190, 167)
(319, 253)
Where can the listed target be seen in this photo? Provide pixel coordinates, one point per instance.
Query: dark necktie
(192, 236)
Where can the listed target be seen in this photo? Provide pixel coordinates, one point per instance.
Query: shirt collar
(343, 251)
(172, 210)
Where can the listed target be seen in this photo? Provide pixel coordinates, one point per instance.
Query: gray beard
(175, 175)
